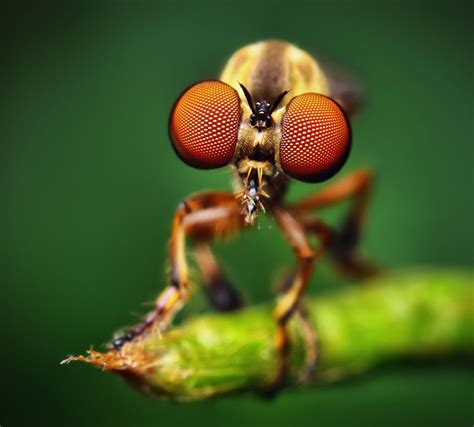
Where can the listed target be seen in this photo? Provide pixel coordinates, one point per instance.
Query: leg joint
(307, 257)
(184, 207)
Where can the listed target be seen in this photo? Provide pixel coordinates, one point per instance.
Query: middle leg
(289, 302)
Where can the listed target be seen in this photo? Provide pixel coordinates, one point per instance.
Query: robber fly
(274, 115)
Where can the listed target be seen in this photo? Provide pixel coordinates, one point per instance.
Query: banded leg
(203, 216)
(289, 300)
(221, 293)
(306, 329)
(343, 243)
(310, 339)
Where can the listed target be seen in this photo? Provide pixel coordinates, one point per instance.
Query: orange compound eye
(204, 124)
(316, 138)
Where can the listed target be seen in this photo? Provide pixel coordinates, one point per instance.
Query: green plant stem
(417, 314)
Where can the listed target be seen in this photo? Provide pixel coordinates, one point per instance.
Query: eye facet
(204, 124)
(316, 138)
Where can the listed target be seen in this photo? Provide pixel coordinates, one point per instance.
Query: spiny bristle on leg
(252, 194)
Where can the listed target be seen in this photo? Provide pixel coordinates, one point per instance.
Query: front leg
(204, 216)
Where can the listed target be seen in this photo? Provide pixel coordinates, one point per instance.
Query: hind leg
(222, 295)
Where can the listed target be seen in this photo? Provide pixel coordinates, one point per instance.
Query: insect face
(212, 124)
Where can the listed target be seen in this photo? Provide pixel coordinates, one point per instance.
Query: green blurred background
(89, 183)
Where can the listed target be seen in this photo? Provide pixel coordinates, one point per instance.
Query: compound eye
(316, 138)
(204, 124)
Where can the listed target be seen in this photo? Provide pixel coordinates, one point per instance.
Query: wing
(344, 88)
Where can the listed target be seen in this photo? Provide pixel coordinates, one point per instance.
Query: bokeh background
(89, 183)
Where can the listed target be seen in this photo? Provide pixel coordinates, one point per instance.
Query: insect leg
(306, 329)
(310, 338)
(203, 215)
(222, 295)
(288, 302)
(343, 243)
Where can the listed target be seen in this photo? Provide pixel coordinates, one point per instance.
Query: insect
(274, 115)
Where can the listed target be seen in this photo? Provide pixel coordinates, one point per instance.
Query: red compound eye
(204, 124)
(316, 138)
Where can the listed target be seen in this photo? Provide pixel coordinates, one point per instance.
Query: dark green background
(89, 184)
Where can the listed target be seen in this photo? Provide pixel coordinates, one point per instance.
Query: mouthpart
(252, 200)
